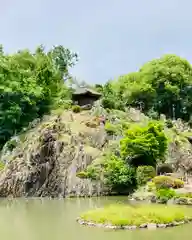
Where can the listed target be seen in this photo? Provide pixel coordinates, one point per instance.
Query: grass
(121, 214)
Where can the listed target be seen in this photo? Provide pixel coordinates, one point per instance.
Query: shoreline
(149, 226)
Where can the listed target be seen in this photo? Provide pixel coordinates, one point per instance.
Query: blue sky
(112, 37)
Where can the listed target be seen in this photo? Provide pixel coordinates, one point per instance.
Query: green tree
(161, 86)
(171, 79)
(108, 99)
(111, 99)
(30, 85)
(63, 58)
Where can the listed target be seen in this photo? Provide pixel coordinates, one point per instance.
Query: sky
(112, 37)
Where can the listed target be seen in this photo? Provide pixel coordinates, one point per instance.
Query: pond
(44, 219)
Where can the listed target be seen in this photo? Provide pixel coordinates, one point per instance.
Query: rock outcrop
(48, 157)
(46, 163)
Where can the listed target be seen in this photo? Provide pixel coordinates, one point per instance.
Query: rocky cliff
(46, 159)
(46, 162)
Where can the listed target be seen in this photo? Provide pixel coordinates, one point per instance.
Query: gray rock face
(47, 162)
(161, 225)
(143, 225)
(176, 224)
(151, 226)
(132, 227)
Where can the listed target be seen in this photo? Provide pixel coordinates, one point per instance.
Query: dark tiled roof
(80, 91)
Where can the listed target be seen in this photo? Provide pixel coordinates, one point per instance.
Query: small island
(122, 216)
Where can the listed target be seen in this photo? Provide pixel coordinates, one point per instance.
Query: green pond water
(37, 219)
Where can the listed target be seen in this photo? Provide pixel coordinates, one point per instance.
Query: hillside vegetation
(48, 148)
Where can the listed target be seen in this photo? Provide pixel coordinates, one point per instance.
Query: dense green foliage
(161, 86)
(144, 145)
(144, 174)
(30, 85)
(118, 175)
(165, 194)
(111, 129)
(122, 170)
(151, 186)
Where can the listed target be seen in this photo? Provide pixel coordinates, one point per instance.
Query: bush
(164, 168)
(178, 183)
(119, 176)
(151, 187)
(144, 174)
(91, 172)
(146, 144)
(163, 182)
(111, 129)
(76, 108)
(164, 194)
(153, 114)
(169, 123)
(167, 182)
(82, 175)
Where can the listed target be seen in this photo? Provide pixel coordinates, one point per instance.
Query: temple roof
(82, 91)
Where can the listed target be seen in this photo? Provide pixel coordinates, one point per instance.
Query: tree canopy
(30, 84)
(163, 85)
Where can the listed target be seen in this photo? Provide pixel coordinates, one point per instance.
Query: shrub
(178, 183)
(119, 176)
(169, 123)
(144, 174)
(164, 168)
(167, 182)
(11, 144)
(151, 187)
(164, 194)
(111, 129)
(148, 143)
(76, 108)
(91, 173)
(82, 174)
(163, 182)
(153, 114)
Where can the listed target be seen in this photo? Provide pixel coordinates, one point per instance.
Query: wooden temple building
(84, 96)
